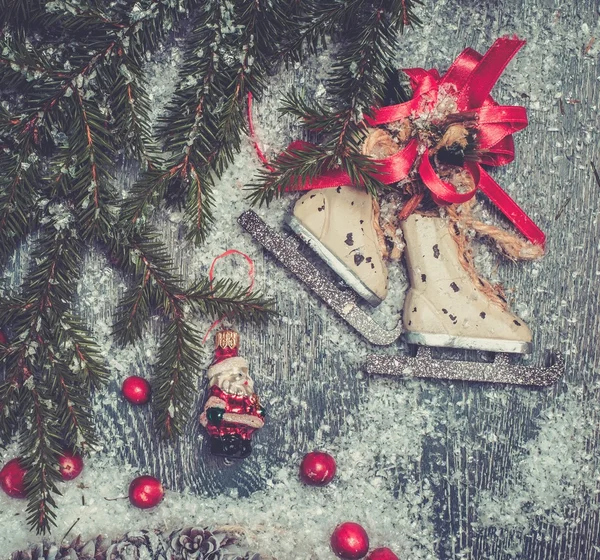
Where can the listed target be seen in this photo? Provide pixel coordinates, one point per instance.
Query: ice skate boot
(423, 365)
(342, 226)
(443, 306)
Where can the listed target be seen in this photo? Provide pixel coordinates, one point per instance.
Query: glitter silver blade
(498, 371)
(343, 303)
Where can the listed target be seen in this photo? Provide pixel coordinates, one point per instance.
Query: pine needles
(73, 103)
(369, 34)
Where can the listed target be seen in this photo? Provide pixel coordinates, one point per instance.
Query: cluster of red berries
(349, 540)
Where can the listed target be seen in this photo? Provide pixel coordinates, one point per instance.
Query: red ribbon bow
(469, 81)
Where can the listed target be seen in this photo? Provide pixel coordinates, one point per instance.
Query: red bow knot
(464, 91)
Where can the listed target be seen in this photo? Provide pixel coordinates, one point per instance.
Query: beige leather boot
(342, 226)
(443, 307)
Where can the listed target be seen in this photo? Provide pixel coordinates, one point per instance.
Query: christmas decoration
(71, 465)
(454, 123)
(344, 303)
(136, 390)
(382, 554)
(233, 411)
(342, 226)
(445, 120)
(145, 492)
(60, 149)
(186, 544)
(445, 306)
(501, 370)
(317, 468)
(350, 541)
(12, 478)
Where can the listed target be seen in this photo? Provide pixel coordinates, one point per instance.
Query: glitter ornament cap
(227, 338)
(227, 342)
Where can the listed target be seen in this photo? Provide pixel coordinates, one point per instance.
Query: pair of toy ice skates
(444, 307)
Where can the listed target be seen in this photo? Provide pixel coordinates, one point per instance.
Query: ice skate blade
(468, 343)
(499, 371)
(332, 261)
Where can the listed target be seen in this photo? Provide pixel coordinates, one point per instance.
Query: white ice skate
(342, 226)
(431, 325)
(443, 306)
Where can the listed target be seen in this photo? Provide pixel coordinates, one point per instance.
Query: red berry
(145, 492)
(3, 339)
(11, 479)
(136, 390)
(382, 554)
(70, 465)
(317, 468)
(350, 541)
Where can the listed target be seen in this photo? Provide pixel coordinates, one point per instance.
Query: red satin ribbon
(469, 80)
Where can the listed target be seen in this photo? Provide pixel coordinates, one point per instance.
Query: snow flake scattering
(431, 470)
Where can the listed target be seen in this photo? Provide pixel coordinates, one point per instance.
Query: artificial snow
(381, 445)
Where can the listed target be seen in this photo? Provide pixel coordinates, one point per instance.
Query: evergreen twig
(73, 104)
(357, 83)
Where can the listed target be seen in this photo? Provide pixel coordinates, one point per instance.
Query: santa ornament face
(233, 377)
(232, 412)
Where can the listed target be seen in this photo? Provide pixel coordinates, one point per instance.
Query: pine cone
(187, 544)
(195, 544)
(76, 550)
(142, 545)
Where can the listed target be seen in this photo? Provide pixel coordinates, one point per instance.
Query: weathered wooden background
(309, 361)
(552, 178)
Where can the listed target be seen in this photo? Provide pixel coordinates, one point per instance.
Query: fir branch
(152, 20)
(177, 367)
(49, 287)
(21, 65)
(206, 120)
(78, 101)
(39, 386)
(41, 448)
(191, 128)
(229, 299)
(91, 145)
(10, 403)
(155, 288)
(315, 116)
(73, 406)
(144, 195)
(24, 15)
(18, 200)
(86, 357)
(129, 107)
(292, 169)
(313, 22)
(358, 82)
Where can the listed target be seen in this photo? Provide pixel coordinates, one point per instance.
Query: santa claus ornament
(233, 411)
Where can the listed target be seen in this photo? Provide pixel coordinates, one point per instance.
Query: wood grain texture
(309, 376)
(311, 380)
